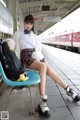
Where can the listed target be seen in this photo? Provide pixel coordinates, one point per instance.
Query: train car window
(67, 37)
(61, 37)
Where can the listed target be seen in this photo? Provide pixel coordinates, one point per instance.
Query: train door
(78, 35)
(72, 41)
(75, 41)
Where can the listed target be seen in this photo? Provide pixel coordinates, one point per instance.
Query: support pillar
(11, 6)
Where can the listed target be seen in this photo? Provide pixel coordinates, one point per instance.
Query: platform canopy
(48, 12)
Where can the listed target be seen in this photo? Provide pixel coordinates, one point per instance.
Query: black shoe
(73, 94)
(43, 109)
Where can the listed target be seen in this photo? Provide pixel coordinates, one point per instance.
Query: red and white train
(69, 40)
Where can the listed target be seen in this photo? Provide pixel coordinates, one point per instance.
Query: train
(69, 41)
(65, 34)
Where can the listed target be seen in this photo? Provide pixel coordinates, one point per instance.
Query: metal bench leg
(33, 108)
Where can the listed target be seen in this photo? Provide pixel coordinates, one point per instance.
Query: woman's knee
(43, 66)
(36, 65)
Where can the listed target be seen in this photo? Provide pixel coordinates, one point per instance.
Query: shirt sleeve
(38, 46)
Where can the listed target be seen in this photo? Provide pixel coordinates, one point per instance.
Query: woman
(28, 42)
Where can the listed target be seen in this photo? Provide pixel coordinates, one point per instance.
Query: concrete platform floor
(62, 107)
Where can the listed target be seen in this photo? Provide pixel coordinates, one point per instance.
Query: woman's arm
(38, 46)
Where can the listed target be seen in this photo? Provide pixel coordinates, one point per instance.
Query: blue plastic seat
(34, 79)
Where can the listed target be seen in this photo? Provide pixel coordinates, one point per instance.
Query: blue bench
(34, 79)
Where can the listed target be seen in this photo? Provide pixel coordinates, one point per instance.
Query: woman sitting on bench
(30, 53)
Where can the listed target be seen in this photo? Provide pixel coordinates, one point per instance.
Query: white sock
(44, 97)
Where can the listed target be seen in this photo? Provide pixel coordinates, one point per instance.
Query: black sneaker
(43, 109)
(73, 94)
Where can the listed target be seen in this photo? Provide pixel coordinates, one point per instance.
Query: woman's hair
(29, 19)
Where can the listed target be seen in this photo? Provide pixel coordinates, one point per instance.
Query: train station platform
(62, 107)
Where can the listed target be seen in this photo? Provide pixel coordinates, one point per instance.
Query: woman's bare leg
(70, 92)
(41, 67)
(44, 69)
(56, 77)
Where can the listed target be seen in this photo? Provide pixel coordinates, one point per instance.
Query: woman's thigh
(36, 65)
